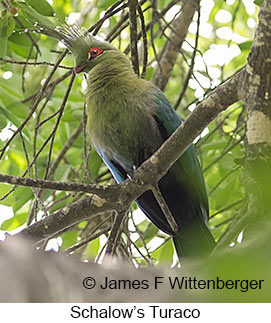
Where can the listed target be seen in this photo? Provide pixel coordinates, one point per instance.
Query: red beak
(79, 69)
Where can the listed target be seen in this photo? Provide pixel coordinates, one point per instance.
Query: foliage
(42, 148)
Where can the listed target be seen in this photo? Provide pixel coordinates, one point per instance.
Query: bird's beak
(79, 69)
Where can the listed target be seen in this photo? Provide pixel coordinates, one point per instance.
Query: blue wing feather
(188, 163)
(114, 168)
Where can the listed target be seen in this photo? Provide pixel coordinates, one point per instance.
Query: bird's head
(89, 52)
(86, 49)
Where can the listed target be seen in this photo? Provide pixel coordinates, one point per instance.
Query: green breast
(120, 120)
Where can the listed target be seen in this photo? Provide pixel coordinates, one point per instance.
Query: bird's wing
(186, 168)
(168, 121)
(116, 170)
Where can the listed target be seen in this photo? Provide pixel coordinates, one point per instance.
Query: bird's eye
(94, 52)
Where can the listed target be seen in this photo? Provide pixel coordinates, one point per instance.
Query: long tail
(194, 240)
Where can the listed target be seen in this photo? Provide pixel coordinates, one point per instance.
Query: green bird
(128, 119)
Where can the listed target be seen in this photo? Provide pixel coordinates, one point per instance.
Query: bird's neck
(112, 74)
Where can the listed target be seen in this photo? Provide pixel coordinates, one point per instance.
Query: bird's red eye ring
(94, 52)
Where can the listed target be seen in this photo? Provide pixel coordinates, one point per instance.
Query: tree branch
(102, 190)
(255, 90)
(133, 34)
(12, 61)
(70, 215)
(172, 47)
(115, 233)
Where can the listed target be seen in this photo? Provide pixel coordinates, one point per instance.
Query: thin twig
(65, 148)
(133, 34)
(38, 98)
(222, 155)
(92, 235)
(29, 174)
(148, 261)
(145, 41)
(222, 179)
(109, 13)
(24, 68)
(170, 51)
(191, 67)
(63, 104)
(164, 207)
(115, 233)
(26, 63)
(226, 208)
(156, 19)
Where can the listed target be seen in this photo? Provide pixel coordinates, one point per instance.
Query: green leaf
(19, 110)
(166, 254)
(67, 116)
(218, 144)
(11, 25)
(34, 16)
(18, 158)
(105, 4)
(59, 203)
(258, 2)
(21, 50)
(42, 7)
(11, 90)
(73, 155)
(217, 6)
(4, 188)
(22, 195)
(20, 39)
(245, 45)
(148, 235)
(3, 121)
(95, 163)
(149, 73)
(15, 222)
(68, 239)
(61, 173)
(11, 100)
(18, 198)
(12, 118)
(62, 9)
(4, 26)
(3, 35)
(226, 192)
(92, 250)
(227, 161)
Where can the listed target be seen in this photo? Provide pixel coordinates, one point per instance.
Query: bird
(128, 119)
